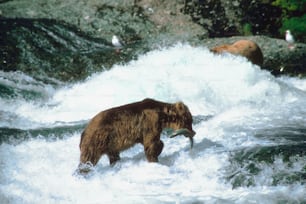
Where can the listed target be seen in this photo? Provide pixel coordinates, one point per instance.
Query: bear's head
(180, 120)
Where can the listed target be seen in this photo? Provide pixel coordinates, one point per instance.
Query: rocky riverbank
(75, 36)
(278, 57)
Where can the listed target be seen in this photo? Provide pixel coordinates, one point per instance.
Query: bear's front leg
(153, 150)
(113, 157)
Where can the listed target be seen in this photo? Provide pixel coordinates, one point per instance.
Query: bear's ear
(179, 106)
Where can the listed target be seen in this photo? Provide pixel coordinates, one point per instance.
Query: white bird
(289, 38)
(116, 42)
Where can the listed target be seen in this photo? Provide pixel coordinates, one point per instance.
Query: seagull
(289, 38)
(116, 42)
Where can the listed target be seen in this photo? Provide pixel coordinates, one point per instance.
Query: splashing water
(249, 146)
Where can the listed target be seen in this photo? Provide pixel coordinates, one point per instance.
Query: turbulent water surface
(250, 145)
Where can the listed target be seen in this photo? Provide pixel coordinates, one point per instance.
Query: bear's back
(132, 109)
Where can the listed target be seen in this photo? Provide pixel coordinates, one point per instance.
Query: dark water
(250, 145)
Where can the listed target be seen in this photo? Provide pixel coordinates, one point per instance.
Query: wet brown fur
(116, 129)
(246, 48)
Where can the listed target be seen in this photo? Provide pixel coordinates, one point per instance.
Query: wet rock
(131, 20)
(211, 15)
(224, 18)
(143, 24)
(49, 49)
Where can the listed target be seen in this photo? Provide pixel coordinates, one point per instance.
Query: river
(250, 145)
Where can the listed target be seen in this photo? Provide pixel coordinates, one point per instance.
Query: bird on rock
(290, 39)
(116, 42)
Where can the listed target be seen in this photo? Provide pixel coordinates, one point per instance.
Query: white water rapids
(240, 98)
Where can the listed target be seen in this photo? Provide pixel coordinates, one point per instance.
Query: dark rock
(211, 15)
(46, 48)
(78, 40)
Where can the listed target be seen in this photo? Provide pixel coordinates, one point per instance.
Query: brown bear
(246, 48)
(116, 129)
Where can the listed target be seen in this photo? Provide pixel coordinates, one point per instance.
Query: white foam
(208, 84)
(39, 171)
(241, 97)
